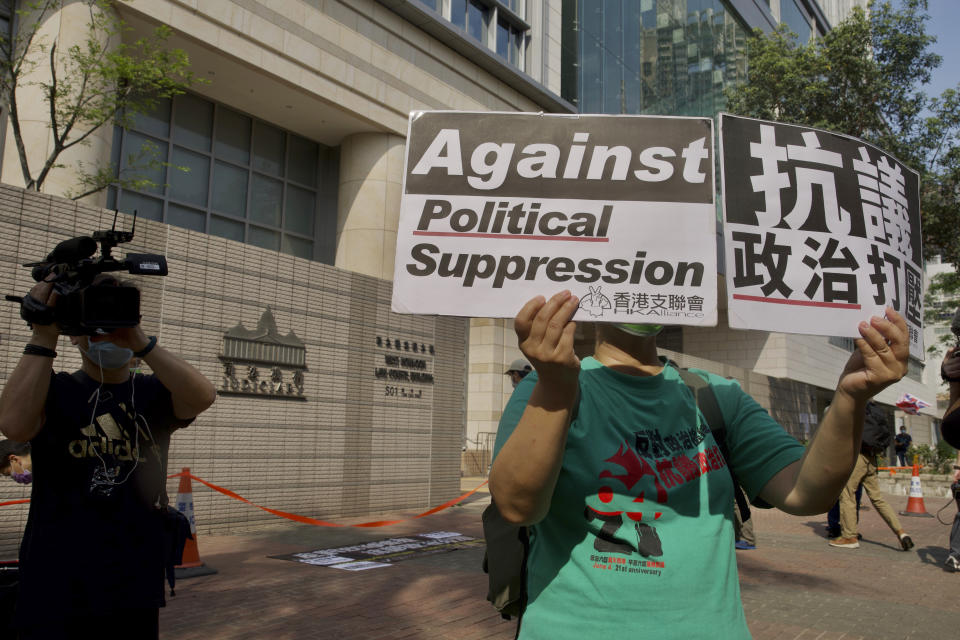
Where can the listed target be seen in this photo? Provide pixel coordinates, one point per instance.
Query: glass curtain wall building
(651, 56)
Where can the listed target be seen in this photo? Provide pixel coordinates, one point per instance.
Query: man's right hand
(45, 335)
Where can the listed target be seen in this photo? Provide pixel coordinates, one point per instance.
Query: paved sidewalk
(794, 585)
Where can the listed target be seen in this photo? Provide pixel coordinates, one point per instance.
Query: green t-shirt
(639, 536)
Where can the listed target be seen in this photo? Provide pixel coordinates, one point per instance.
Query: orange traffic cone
(915, 506)
(190, 563)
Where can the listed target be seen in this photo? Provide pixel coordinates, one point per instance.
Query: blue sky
(943, 23)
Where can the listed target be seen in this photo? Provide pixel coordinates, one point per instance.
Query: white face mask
(108, 355)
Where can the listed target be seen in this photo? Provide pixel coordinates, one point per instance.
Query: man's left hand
(880, 358)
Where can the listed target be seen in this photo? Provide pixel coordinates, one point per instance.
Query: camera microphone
(73, 250)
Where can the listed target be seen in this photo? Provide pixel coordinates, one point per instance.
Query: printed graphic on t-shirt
(116, 440)
(654, 463)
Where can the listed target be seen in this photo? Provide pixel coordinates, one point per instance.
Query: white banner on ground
(500, 207)
(821, 231)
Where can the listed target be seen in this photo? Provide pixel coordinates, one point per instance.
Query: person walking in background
(901, 444)
(743, 531)
(519, 368)
(876, 438)
(833, 516)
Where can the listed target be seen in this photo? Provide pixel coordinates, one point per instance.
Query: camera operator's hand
(45, 335)
(132, 338)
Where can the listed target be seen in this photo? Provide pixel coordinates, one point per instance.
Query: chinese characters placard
(822, 230)
(500, 207)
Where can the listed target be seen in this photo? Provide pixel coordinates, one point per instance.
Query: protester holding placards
(610, 464)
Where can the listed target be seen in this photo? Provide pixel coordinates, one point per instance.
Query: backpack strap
(706, 400)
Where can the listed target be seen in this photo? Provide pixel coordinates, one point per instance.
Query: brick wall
(348, 450)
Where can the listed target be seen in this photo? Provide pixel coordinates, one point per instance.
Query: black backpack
(877, 433)
(505, 560)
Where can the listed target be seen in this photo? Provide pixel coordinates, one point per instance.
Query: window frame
(210, 156)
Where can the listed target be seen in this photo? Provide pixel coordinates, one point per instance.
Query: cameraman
(91, 560)
(950, 428)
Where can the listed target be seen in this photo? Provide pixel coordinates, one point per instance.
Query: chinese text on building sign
(821, 231)
(500, 207)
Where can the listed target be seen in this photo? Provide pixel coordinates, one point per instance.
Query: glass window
(192, 122)
(431, 4)
(477, 20)
(302, 163)
(516, 47)
(268, 149)
(155, 121)
(509, 42)
(503, 38)
(299, 210)
(189, 176)
(143, 159)
(229, 229)
(143, 206)
(265, 200)
(229, 189)
(229, 175)
(184, 217)
(458, 13)
(297, 246)
(796, 19)
(264, 238)
(233, 136)
(651, 57)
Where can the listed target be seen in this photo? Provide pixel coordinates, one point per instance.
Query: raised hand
(545, 334)
(880, 358)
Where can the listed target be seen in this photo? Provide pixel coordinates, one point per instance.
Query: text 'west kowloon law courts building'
(281, 236)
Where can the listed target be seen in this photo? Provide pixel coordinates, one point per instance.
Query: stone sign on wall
(260, 362)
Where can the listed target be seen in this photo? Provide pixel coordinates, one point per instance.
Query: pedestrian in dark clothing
(901, 444)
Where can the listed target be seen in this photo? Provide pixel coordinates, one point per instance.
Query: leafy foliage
(939, 459)
(865, 78)
(939, 306)
(105, 78)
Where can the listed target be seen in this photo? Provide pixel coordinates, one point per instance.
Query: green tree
(99, 81)
(941, 302)
(865, 78)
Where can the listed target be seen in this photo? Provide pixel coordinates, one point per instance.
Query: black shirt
(93, 540)
(903, 441)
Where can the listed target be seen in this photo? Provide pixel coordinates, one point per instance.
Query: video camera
(85, 308)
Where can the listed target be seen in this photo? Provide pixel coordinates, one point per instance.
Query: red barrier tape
(323, 523)
(305, 519)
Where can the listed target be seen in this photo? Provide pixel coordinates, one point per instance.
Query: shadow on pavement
(757, 573)
(933, 555)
